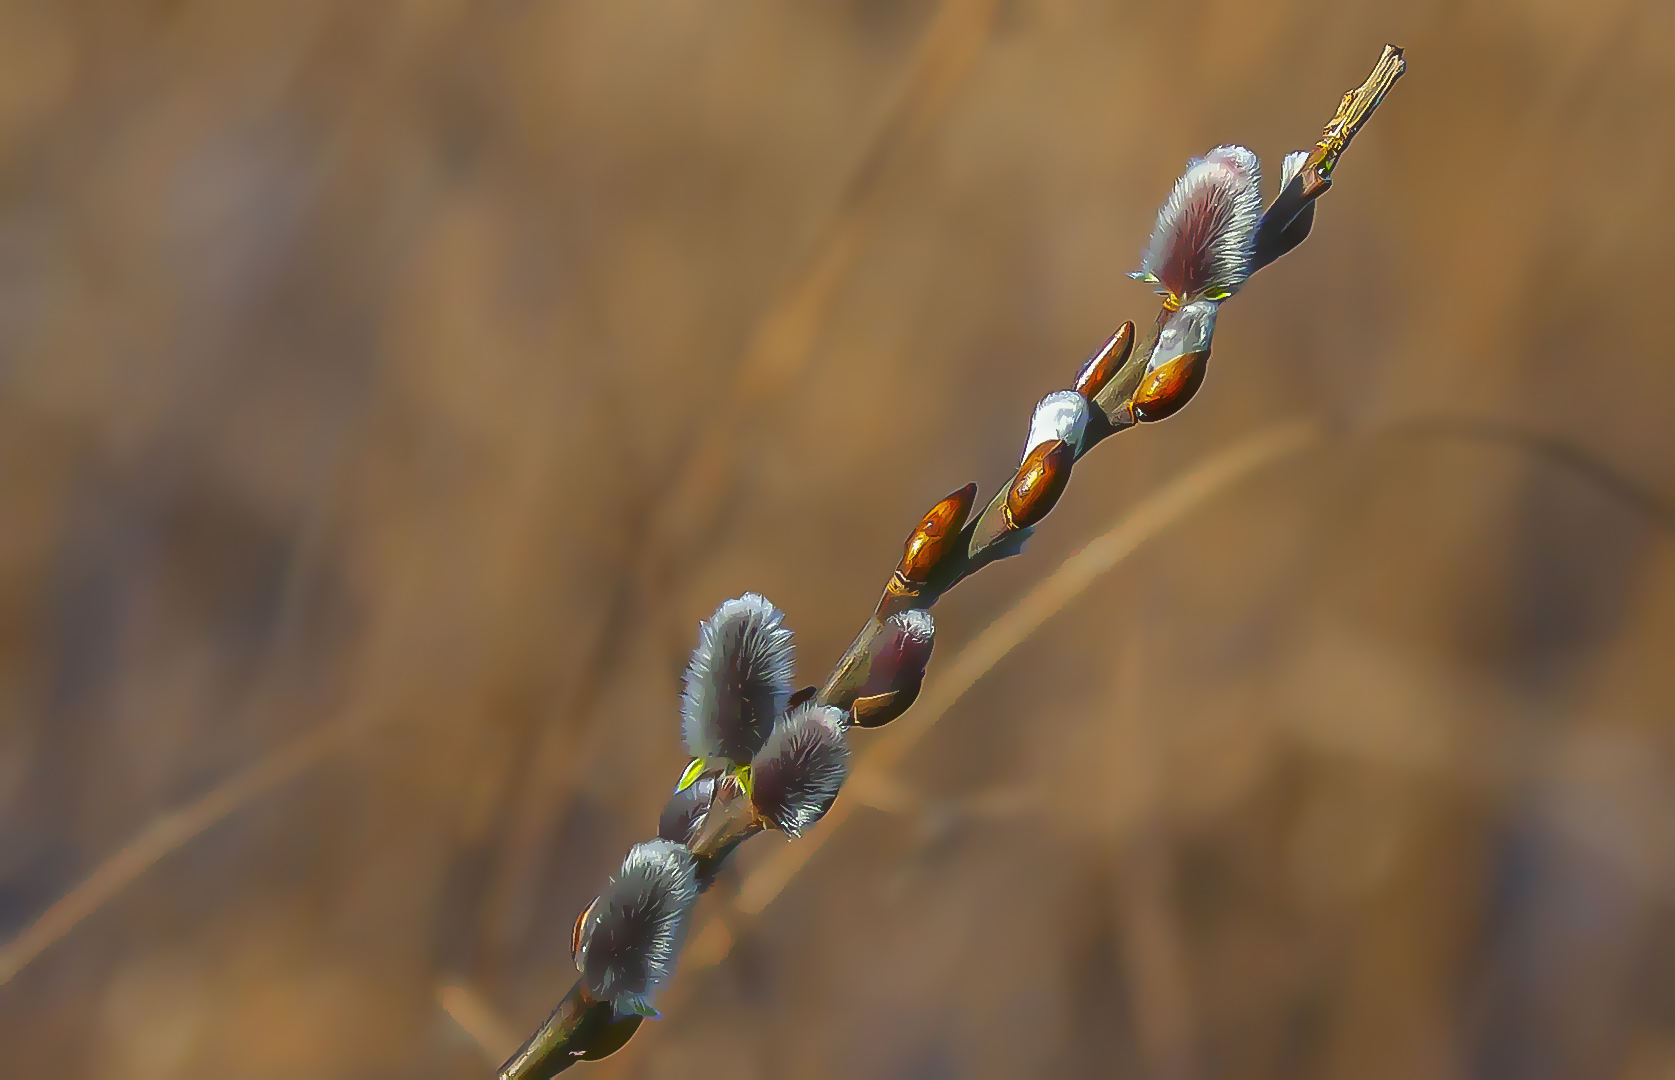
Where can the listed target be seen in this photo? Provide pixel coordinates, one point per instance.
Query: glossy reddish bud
(1098, 368)
(801, 696)
(1039, 483)
(1167, 388)
(934, 536)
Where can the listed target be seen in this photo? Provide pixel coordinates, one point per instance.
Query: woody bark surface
(1121, 385)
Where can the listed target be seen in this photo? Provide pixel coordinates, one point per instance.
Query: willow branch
(1199, 262)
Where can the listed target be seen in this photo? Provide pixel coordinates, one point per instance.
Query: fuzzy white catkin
(738, 680)
(797, 774)
(1188, 330)
(1205, 236)
(631, 936)
(1291, 166)
(1060, 415)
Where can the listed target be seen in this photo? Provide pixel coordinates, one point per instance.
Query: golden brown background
(387, 390)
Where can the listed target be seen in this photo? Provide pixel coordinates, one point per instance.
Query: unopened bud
(1166, 389)
(897, 658)
(1176, 367)
(1039, 483)
(1106, 362)
(935, 534)
(685, 810)
(1287, 221)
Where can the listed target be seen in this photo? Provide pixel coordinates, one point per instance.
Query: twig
(1553, 448)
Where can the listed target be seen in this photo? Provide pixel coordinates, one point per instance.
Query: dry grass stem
(478, 1019)
(161, 837)
(1163, 508)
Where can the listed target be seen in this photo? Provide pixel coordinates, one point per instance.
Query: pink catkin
(1205, 233)
(1186, 269)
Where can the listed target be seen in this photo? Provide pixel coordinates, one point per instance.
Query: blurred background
(388, 389)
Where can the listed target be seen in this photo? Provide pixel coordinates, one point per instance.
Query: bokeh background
(388, 389)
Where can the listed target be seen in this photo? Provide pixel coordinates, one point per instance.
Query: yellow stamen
(690, 776)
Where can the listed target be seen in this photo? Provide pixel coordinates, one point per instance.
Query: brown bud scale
(1110, 358)
(900, 595)
(1164, 391)
(1039, 483)
(576, 934)
(935, 534)
(877, 710)
(1315, 175)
